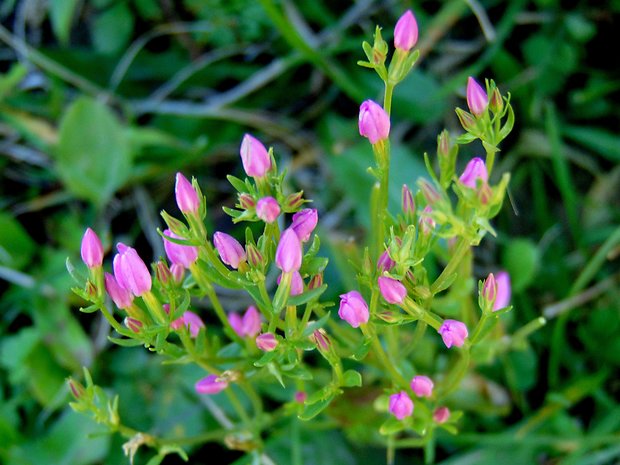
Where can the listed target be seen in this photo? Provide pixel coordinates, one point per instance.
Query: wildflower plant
(314, 352)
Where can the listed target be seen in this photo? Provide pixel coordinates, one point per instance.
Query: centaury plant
(264, 361)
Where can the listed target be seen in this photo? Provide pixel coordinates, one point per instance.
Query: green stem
(478, 329)
(456, 375)
(383, 358)
(459, 253)
(387, 98)
(108, 316)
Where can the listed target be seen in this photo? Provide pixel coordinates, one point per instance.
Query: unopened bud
(162, 273)
(443, 144)
(477, 99)
(321, 340)
(255, 258)
(294, 201)
(467, 120)
(429, 192)
(133, 324)
(408, 203)
(489, 289)
(496, 104)
(76, 388)
(246, 202)
(316, 281)
(177, 270)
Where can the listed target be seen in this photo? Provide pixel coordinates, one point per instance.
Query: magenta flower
(231, 252)
(177, 271)
(441, 415)
(392, 290)
(254, 156)
(406, 32)
(477, 99)
(385, 263)
(189, 320)
(121, 297)
(475, 169)
(401, 405)
(422, 386)
(180, 254)
(248, 325)
(304, 222)
(289, 253)
(489, 288)
(266, 342)
(267, 209)
(503, 290)
(353, 309)
(297, 283)
(91, 250)
(187, 197)
(130, 271)
(210, 385)
(453, 332)
(374, 122)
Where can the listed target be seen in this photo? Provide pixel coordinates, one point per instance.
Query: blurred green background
(102, 101)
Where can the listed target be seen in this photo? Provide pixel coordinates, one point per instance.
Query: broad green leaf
(352, 378)
(61, 15)
(112, 28)
(16, 246)
(313, 410)
(93, 155)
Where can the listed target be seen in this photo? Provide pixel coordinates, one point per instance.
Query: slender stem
(457, 374)
(234, 400)
(382, 356)
(108, 316)
(478, 329)
(387, 98)
(461, 250)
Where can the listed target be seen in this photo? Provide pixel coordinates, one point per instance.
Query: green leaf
(61, 15)
(312, 327)
(307, 296)
(352, 378)
(93, 155)
(10, 80)
(521, 258)
(112, 28)
(391, 425)
(16, 246)
(605, 143)
(314, 409)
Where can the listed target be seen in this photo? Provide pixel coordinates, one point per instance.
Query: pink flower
(374, 122)
(231, 252)
(267, 209)
(441, 415)
(254, 156)
(248, 325)
(121, 297)
(477, 99)
(130, 271)
(392, 290)
(385, 263)
(406, 32)
(422, 386)
(179, 254)
(353, 309)
(453, 332)
(289, 253)
(304, 222)
(210, 385)
(177, 271)
(189, 320)
(91, 250)
(266, 342)
(186, 195)
(297, 283)
(475, 169)
(503, 290)
(401, 405)
(489, 288)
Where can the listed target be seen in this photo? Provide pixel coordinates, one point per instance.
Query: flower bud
(406, 32)
(466, 119)
(374, 122)
(443, 144)
(294, 201)
(91, 250)
(496, 103)
(130, 271)
(353, 309)
(266, 342)
(475, 169)
(304, 222)
(392, 290)
(453, 332)
(189, 320)
(489, 289)
(181, 254)
(177, 272)
(427, 223)
(429, 192)
(297, 283)
(255, 258)
(254, 156)
(248, 325)
(316, 281)
(210, 385)
(408, 203)
(321, 340)
(121, 297)
(441, 415)
(187, 197)
(76, 388)
(231, 252)
(289, 253)
(477, 99)
(300, 397)
(503, 290)
(267, 209)
(401, 405)
(133, 324)
(422, 386)
(384, 262)
(162, 273)
(246, 202)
